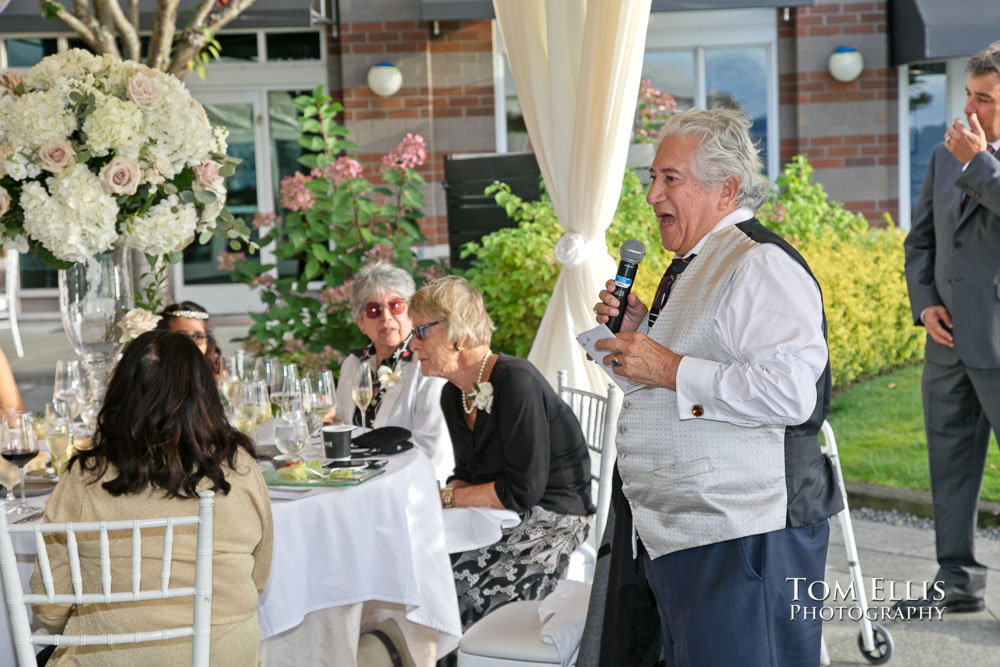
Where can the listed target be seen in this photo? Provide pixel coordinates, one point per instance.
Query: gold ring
(614, 360)
(947, 138)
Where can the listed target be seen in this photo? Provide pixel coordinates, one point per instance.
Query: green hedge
(859, 269)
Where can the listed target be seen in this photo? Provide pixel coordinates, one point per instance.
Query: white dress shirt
(770, 320)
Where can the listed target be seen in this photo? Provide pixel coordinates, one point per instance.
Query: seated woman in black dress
(518, 446)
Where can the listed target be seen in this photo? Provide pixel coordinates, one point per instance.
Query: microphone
(631, 253)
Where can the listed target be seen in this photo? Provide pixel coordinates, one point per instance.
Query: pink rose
(144, 91)
(57, 156)
(120, 176)
(207, 174)
(4, 201)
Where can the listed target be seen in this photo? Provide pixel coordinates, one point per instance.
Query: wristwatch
(447, 497)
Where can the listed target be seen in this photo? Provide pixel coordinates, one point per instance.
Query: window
(702, 58)
(27, 51)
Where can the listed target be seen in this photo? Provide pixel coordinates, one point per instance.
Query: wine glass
(265, 369)
(228, 379)
(253, 407)
(285, 391)
(307, 394)
(325, 398)
(88, 413)
(362, 392)
(20, 445)
(57, 433)
(68, 387)
(290, 434)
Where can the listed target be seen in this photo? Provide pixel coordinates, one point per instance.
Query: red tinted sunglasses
(373, 309)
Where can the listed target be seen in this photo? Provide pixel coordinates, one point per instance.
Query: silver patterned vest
(697, 481)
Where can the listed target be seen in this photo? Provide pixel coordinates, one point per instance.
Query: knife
(33, 515)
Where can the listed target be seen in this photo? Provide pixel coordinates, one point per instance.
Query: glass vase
(93, 298)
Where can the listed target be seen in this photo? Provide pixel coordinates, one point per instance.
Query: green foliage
(336, 221)
(801, 208)
(860, 270)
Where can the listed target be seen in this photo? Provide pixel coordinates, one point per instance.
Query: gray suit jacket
(953, 257)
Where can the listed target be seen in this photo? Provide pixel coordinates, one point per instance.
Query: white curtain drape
(576, 64)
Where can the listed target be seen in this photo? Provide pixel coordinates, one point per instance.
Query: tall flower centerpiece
(99, 156)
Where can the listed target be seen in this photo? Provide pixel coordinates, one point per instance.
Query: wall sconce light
(384, 79)
(845, 63)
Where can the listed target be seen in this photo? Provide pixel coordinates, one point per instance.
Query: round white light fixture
(384, 79)
(845, 63)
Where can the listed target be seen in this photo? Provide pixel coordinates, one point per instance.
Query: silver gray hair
(725, 150)
(984, 62)
(374, 280)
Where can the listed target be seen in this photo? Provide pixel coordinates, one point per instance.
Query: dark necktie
(675, 269)
(965, 196)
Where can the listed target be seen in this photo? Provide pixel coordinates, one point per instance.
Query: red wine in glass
(19, 457)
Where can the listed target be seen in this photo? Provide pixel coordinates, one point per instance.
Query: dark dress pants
(960, 404)
(733, 603)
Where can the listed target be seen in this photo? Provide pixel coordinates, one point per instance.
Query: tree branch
(111, 14)
(133, 13)
(192, 39)
(164, 27)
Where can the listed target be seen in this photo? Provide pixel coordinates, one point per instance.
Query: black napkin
(384, 440)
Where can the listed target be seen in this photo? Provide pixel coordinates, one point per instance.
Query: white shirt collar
(734, 218)
(996, 145)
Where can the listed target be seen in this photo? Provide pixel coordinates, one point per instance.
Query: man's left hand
(637, 357)
(962, 143)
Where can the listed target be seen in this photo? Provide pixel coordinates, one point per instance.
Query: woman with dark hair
(190, 319)
(161, 437)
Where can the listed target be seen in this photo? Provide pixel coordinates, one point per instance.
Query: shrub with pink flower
(264, 219)
(293, 193)
(651, 112)
(335, 221)
(409, 154)
(228, 260)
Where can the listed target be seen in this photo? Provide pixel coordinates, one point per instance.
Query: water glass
(265, 369)
(285, 391)
(69, 387)
(290, 433)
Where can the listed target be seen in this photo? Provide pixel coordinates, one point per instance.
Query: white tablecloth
(382, 540)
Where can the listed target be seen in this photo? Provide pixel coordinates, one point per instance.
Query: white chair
(597, 416)
(200, 631)
(510, 635)
(10, 302)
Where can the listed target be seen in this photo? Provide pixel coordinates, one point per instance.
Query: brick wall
(849, 130)
(447, 77)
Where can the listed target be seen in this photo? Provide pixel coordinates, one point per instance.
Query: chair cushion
(510, 632)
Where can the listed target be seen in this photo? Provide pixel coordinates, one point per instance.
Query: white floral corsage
(388, 377)
(137, 322)
(482, 397)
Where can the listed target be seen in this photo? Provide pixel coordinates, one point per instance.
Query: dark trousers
(960, 404)
(733, 603)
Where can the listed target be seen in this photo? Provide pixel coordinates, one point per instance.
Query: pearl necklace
(472, 396)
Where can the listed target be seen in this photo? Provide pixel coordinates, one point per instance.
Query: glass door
(198, 277)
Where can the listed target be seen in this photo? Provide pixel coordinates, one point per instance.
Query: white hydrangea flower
(220, 135)
(20, 166)
(114, 126)
(165, 227)
(73, 65)
(35, 118)
(74, 219)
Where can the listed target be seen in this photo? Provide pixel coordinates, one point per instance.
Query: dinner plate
(36, 484)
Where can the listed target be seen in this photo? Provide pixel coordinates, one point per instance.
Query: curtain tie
(572, 250)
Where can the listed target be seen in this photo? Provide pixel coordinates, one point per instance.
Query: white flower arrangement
(94, 150)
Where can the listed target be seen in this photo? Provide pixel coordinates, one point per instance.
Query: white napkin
(290, 492)
(563, 614)
(468, 528)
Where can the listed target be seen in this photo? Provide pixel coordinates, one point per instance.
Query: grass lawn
(879, 425)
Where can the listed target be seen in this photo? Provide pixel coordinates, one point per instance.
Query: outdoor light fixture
(845, 63)
(384, 79)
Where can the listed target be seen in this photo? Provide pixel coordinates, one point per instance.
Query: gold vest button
(697, 410)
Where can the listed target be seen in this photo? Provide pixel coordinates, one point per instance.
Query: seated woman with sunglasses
(190, 319)
(401, 395)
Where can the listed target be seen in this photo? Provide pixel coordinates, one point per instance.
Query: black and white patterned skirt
(525, 564)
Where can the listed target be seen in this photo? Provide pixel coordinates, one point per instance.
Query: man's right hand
(938, 324)
(607, 308)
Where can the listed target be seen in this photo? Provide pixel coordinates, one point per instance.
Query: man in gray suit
(953, 275)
